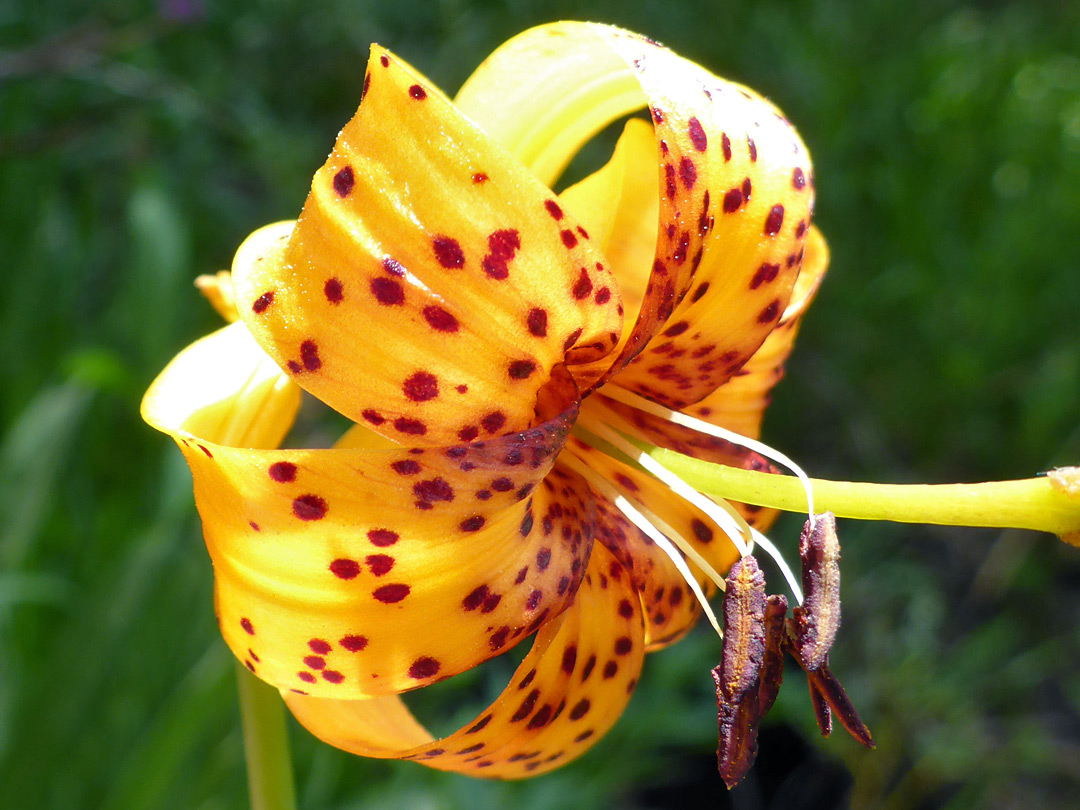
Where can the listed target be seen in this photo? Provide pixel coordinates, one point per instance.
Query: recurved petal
(431, 282)
(567, 692)
(739, 404)
(734, 186)
(330, 564)
(222, 389)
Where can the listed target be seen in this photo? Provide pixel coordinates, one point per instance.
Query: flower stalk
(1048, 503)
(266, 743)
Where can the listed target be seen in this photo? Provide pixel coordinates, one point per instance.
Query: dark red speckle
(262, 302)
(383, 537)
(333, 291)
(425, 667)
(417, 92)
(553, 209)
(343, 181)
(697, 134)
(345, 569)
(774, 220)
(537, 322)
(353, 643)
(283, 472)
(448, 252)
(687, 172)
(521, 369)
(421, 387)
(387, 291)
(309, 507)
(440, 320)
(247, 626)
(389, 594)
(798, 179)
(379, 564)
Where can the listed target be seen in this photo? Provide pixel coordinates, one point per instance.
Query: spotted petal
(431, 282)
(734, 185)
(565, 694)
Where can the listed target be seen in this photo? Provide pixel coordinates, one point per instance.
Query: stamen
(630, 511)
(781, 563)
(677, 417)
(717, 514)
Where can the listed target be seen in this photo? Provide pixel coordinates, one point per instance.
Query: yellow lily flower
(436, 292)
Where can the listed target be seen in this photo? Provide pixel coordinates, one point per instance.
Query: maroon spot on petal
(687, 172)
(770, 312)
(406, 466)
(610, 668)
(461, 389)
(537, 322)
(701, 530)
(247, 626)
(389, 594)
(774, 220)
(495, 267)
(314, 662)
(697, 134)
(675, 597)
(541, 718)
(387, 292)
(534, 599)
(568, 238)
(569, 659)
(333, 291)
(800, 229)
(343, 181)
(725, 145)
(700, 291)
(498, 638)
(502, 484)
(309, 507)
(307, 677)
(472, 524)
(382, 537)
(479, 177)
(353, 643)
(586, 671)
(527, 679)
(580, 709)
(553, 209)
(413, 427)
(475, 598)
(521, 369)
(425, 667)
(384, 60)
(421, 387)
(521, 575)
(254, 525)
(657, 114)
(379, 564)
(584, 735)
(262, 302)
(448, 252)
(393, 267)
(493, 421)
(374, 417)
(669, 181)
(571, 339)
(491, 602)
(526, 707)
(623, 645)
(309, 355)
(433, 489)
(319, 646)
(345, 569)
(746, 189)
(676, 329)
(798, 179)
(543, 559)
(583, 286)
(732, 200)
(367, 85)
(283, 472)
(504, 243)
(480, 725)
(764, 274)
(332, 675)
(467, 434)
(417, 92)
(603, 295)
(527, 526)
(751, 148)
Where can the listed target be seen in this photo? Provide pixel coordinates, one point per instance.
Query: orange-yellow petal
(739, 404)
(566, 693)
(734, 186)
(222, 389)
(431, 283)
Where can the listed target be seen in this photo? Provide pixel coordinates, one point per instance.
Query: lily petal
(740, 403)
(735, 190)
(431, 283)
(565, 694)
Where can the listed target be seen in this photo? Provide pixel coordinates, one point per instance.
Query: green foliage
(140, 142)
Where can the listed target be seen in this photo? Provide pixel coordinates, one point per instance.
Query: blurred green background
(140, 142)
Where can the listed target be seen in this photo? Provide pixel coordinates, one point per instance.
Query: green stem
(1049, 503)
(266, 743)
